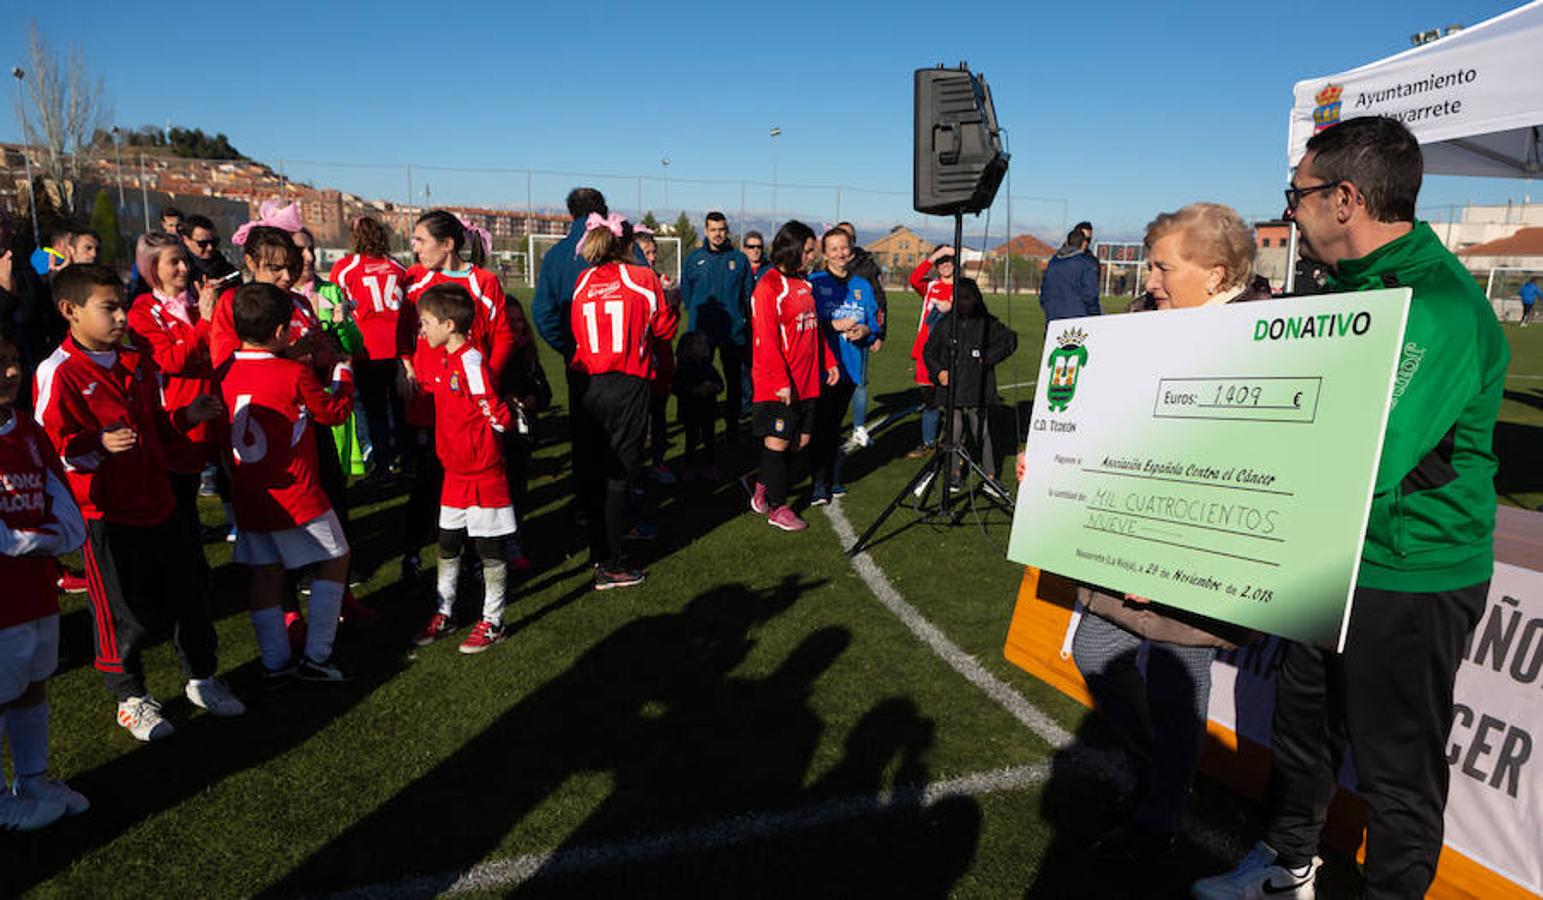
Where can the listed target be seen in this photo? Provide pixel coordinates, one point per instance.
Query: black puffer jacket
(983, 342)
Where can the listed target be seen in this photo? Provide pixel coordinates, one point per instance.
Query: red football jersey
(38, 521)
(377, 286)
(618, 313)
(179, 344)
(490, 330)
(274, 480)
(79, 395)
(934, 292)
(469, 422)
(785, 332)
(222, 331)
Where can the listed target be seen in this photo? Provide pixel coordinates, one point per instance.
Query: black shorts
(783, 420)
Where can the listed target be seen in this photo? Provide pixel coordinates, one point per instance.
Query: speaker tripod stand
(938, 470)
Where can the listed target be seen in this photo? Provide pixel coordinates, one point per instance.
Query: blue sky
(1122, 110)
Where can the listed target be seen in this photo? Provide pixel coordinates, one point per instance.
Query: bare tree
(68, 105)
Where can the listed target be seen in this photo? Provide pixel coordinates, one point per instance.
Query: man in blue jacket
(560, 269)
(1070, 286)
(715, 286)
(551, 310)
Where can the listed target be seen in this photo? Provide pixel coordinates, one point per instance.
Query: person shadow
(710, 776)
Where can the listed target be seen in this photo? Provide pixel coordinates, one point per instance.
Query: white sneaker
(47, 789)
(27, 814)
(212, 694)
(857, 441)
(142, 717)
(1258, 878)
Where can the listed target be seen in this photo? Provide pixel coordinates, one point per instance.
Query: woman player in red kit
(788, 363)
(619, 312)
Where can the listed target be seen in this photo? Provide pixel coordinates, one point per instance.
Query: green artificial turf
(753, 673)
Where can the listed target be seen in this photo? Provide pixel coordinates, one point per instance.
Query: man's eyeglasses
(754, 246)
(207, 243)
(1294, 195)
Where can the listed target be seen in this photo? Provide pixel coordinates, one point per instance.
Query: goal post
(668, 262)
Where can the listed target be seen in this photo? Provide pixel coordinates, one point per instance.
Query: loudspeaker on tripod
(959, 162)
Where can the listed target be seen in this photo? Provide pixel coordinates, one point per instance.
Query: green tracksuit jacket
(1433, 509)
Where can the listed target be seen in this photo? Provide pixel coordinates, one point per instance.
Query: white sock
(326, 603)
(272, 640)
(449, 576)
(494, 577)
(29, 740)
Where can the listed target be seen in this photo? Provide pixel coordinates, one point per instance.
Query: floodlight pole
(118, 160)
(26, 155)
(775, 133)
(144, 191)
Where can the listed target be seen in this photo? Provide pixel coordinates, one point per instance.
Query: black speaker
(959, 160)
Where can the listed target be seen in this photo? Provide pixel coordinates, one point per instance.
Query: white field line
(728, 832)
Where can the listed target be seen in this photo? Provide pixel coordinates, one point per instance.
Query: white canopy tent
(1474, 99)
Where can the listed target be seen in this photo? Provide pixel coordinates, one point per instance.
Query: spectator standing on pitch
(1070, 286)
(864, 266)
(715, 286)
(1429, 551)
(754, 246)
(25, 304)
(977, 341)
(617, 315)
(790, 364)
(203, 243)
(696, 388)
(937, 299)
(848, 319)
(99, 402)
(38, 521)
(84, 246)
(171, 223)
(1529, 295)
(551, 312)
(53, 256)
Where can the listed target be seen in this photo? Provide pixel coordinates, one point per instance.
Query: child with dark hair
(38, 521)
(99, 403)
(469, 422)
(961, 355)
(377, 285)
(285, 521)
(697, 386)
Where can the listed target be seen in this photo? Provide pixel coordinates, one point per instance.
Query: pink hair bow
(272, 215)
(642, 229)
(484, 236)
(612, 223)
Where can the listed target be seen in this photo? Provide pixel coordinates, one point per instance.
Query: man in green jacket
(1428, 556)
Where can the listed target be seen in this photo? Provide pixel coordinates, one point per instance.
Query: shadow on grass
(687, 745)
(1517, 446)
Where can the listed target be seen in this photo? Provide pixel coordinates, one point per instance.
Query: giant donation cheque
(1217, 459)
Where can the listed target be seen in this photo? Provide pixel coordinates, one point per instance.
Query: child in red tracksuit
(470, 421)
(99, 402)
(38, 521)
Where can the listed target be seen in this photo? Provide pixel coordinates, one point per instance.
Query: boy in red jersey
(789, 361)
(469, 423)
(283, 518)
(618, 315)
(99, 403)
(38, 521)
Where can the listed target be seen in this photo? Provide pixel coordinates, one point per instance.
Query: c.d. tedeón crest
(1066, 363)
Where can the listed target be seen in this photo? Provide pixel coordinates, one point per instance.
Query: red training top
(377, 286)
(180, 347)
(934, 292)
(222, 331)
(81, 394)
(619, 312)
(38, 521)
(785, 335)
(274, 480)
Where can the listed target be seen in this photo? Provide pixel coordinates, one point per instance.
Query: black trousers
(829, 409)
(611, 421)
(1390, 695)
(422, 507)
(383, 419)
(734, 361)
(697, 415)
(142, 579)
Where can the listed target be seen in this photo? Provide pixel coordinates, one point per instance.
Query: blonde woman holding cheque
(1201, 255)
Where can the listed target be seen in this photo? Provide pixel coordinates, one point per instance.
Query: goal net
(1503, 287)
(668, 262)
